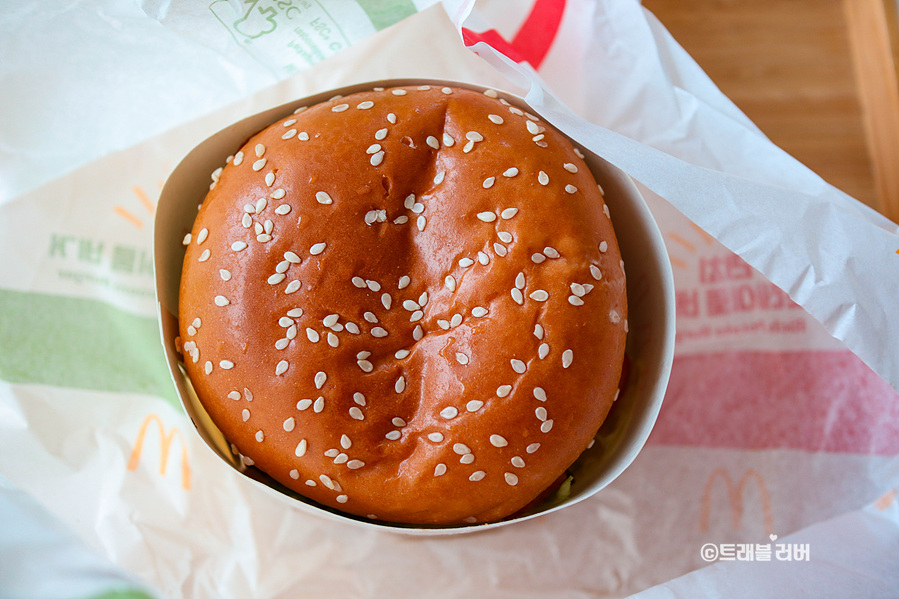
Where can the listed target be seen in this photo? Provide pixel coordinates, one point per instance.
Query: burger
(406, 304)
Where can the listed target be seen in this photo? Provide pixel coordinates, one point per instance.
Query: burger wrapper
(772, 434)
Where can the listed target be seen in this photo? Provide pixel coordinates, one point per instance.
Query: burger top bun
(406, 304)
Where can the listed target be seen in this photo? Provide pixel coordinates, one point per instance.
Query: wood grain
(794, 67)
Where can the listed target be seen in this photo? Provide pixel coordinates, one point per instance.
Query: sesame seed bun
(406, 304)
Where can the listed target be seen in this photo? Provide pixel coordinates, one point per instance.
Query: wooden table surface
(819, 77)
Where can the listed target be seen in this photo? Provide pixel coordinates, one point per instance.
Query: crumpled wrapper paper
(772, 432)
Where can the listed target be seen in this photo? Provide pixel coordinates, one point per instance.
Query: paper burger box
(650, 293)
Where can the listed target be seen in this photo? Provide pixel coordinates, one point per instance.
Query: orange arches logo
(735, 496)
(165, 445)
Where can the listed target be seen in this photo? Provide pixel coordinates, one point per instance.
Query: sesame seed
(461, 449)
(207, 367)
(221, 300)
(456, 320)
(245, 414)
(205, 255)
(487, 217)
(508, 213)
(370, 317)
(416, 316)
(276, 278)
(291, 257)
(303, 136)
(578, 289)
(304, 404)
(474, 405)
(503, 390)
(539, 295)
(539, 393)
(567, 358)
(537, 258)
(186, 240)
(474, 136)
(461, 358)
(330, 320)
(546, 426)
(423, 88)
(235, 395)
(281, 368)
(318, 405)
(440, 470)
(345, 442)
(432, 141)
(202, 235)
(483, 258)
(246, 221)
(540, 412)
(446, 90)
(282, 343)
(378, 332)
(398, 422)
(423, 299)
(490, 93)
(543, 178)
(320, 379)
(259, 164)
(289, 134)
(614, 317)
(365, 365)
(511, 479)
(282, 267)
(380, 134)
(520, 280)
(443, 324)
(354, 465)
(386, 300)
(498, 441)
(543, 350)
(393, 435)
(294, 474)
(418, 208)
(420, 223)
(479, 311)
(570, 188)
(377, 159)
(435, 437)
(516, 111)
(400, 354)
(450, 282)
(418, 332)
(391, 118)
(292, 287)
(247, 395)
(532, 447)
(263, 238)
(260, 150)
(238, 246)
(300, 451)
(449, 412)
(488, 182)
(468, 458)
(575, 300)
(517, 462)
(476, 476)
(500, 249)
(312, 335)
(578, 153)
(603, 247)
(495, 118)
(356, 413)
(295, 312)
(353, 328)
(362, 355)
(289, 424)
(326, 480)
(339, 107)
(398, 92)
(358, 282)
(517, 296)
(400, 385)
(365, 105)
(532, 127)
(285, 322)
(518, 366)
(605, 207)
(469, 146)
(448, 140)
(291, 331)
(317, 249)
(226, 364)
(322, 197)
(551, 252)
(238, 159)
(569, 167)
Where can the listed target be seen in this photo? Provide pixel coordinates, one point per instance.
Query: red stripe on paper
(535, 37)
(813, 400)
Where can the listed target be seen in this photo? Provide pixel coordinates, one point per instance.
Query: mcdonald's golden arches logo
(735, 496)
(165, 445)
